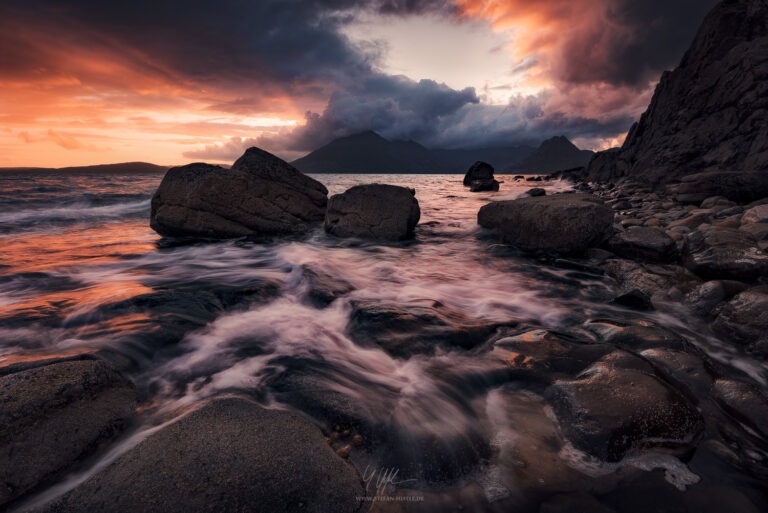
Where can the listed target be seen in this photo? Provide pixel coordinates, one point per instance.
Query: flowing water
(80, 267)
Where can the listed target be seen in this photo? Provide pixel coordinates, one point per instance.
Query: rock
(565, 223)
(643, 243)
(653, 280)
(758, 214)
(484, 186)
(744, 401)
(744, 319)
(738, 186)
(403, 330)
(758, 231)
(635, 299)
(715, 201)
(709, 114)
(690, 222)
(373, 211)
(619, 406)
(704, 298)
(478, 171)
(53, 415)
(260, 195)
(229, 455)
(323, 288)
(635, 334)
(728, 253)
(536, 192)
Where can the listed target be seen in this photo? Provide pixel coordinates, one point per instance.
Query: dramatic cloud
(158, 80)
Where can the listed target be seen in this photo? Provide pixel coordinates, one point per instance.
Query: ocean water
(80, 268)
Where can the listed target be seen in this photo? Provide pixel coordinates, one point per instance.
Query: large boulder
(52, 415)
(484, 186)
(739, 186)
(229, 455)
(709, 114)
(478, 171)
(715, 252)
(565, 223)
(643, 243)
(373, 211)
(744, 319)
(619, 406)
(260, 195)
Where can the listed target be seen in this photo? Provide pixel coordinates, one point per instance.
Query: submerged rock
(619, 405)
(373, 211)
(484, 186)
(229, 455)
(51, 416)
(403, 330)
(479, 171)
(727, 253)
(643, 243)
(260, 195)
(565, 223)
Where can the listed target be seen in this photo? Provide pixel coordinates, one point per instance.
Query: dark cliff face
(709, 114)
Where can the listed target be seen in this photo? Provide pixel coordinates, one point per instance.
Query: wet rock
(323, 288)
(727, 253)
(403, 330)
(744, 401)
(536, 192)
(704, 298)
(686, 368)
(260, 195)
(478, 171)
(757, 214)
(53, 415)
(643, 243)
(635, 334)
(373, 211)
(691, 222)
(655, 281)
(759, 231)
(229, 455)
(738, 186)
(635, 299)
(484, 186)
(619, 405)
(744, 319)
(565, 223)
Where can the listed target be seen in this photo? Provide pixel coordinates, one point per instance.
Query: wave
(75, 212)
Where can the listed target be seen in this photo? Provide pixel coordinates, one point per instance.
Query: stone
(653, 280)
(373, 211)
(745, 401)
(708, 115)
(619, 406)
(53, 415)
(758, 231)
(716, 252)
(229, 455)
(744, 319)
(261, 195)
(478, 171)
(489, 185)
(643, 243)
(419, 327)
(758, 214)
(536, 192)
(738, 186)
(704, 298)
(563, 223)
(324, 288)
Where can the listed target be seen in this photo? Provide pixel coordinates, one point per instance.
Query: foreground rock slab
(565, 223)
(229, 455)
(52, 415)
(260, 195)
(373, 211)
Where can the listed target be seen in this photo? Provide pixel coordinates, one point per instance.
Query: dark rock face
(739, 186)
(536, 192)
(52, 415)
(744, 319)
(643, 243)
(260, 195)
(416, 328)
(479, 171)
(711, 113)
(230, 453)
(566, 223)
(728, 253)
(619, 405)
(373, 211)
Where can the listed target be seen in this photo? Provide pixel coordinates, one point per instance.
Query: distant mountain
(554, 154)
(124, 168)
(368, 152)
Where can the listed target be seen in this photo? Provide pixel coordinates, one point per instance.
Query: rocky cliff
(709, 114)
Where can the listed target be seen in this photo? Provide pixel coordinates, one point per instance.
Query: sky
(91, 81)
